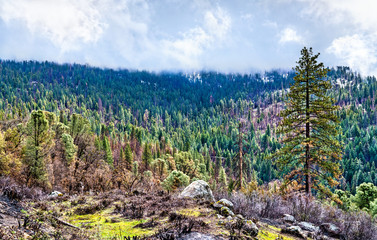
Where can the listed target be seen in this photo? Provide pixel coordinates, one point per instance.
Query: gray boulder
(295, 231)
(225, 203)
(330, 229)
(250, 229)
(217, 206)
(308, 226)
(225, 211)
(288, 218)
(198, 236)
(55, 194)
(198, 189)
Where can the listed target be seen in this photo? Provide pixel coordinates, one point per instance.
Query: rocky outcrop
(288, 218)
(250, 229)
(226, 203)
(310, 227)
(198, 189)
(330, 230)
(225, 211)
(295, 231)
(199, 236)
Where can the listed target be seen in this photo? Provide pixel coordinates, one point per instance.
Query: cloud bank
(221, 35)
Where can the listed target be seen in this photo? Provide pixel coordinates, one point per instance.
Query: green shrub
(174, 180)
(366, 193)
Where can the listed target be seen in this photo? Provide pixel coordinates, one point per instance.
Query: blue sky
(222, 35)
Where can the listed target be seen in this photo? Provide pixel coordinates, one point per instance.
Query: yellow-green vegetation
(108, 226)
(190, 212)
(271, 233)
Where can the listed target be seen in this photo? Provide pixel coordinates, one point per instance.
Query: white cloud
(358, 52)
(217, 22)
(247, 16)
(188, 34)
(357, 23)
(192, 43)
(65, 23)
(290, 35)
(361, 13)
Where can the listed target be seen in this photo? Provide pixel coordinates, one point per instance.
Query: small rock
(240, 217)
(197, 235)
(322, 237)
(217, 206)
(221, 223)
(225, 203)
(308, 226)
(55, 194)
(294, 230)
(225, 211)
(198, 189)
(229, 218)
(330, 229)
(250, 229)
(289, 218)
(219, 216)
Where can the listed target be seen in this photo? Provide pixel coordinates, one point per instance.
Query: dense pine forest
(77, 129)
(196, 115)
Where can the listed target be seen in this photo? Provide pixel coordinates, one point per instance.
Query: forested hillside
(166, 121)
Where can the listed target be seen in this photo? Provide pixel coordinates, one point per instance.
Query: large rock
(308, 226)
(225, 211)
(289, 218)
(330, 229)
(226, 203)
(250, 229)
(198, 236)
(198, 189)
(295, 231)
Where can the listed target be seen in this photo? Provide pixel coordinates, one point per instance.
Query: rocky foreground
(193, 214)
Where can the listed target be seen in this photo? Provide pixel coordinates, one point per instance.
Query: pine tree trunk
(240, 149)
(307, 151)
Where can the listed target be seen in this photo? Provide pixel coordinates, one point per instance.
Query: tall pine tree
(311, 152)
(38, 144)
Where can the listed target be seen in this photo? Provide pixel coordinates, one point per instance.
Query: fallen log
(65, 223)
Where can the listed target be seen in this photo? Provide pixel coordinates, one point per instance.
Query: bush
(365, 194)
(264, 206)
(175, 180)
(373, 208)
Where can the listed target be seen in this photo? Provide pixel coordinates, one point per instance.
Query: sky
(191, 35)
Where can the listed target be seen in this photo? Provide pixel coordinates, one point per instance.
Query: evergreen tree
(311, 151)
(223, 178)
(69, 147)
(38, 144)
(108, 153)
(147, 156)
(128, 156)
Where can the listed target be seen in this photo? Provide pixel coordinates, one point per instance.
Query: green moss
(271, 233)
(190, 212)
(122, 228)
(100, 224)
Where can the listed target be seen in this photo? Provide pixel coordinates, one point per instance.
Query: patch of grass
(122, 229)
(101, 224)
(271, 233)
(190, 212)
